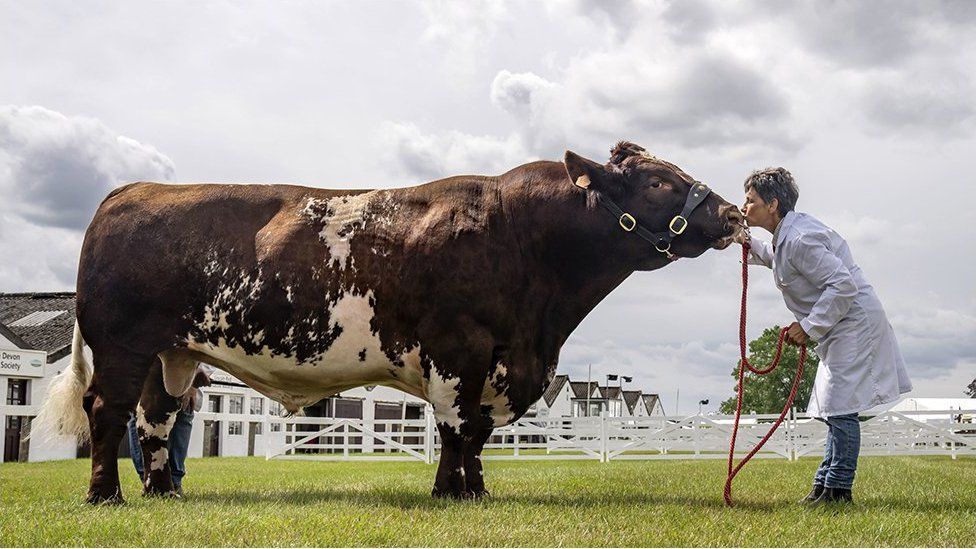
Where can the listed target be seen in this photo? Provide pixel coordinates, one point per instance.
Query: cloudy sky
(871, 105)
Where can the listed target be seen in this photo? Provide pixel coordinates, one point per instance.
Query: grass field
(900, 501)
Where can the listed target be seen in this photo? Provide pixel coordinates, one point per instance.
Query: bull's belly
(354, 359)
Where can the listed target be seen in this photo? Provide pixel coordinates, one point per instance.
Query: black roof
(552, 391)
(610, 392)
(42, 321)
(631, 398)
(650, 402)
(579, 388)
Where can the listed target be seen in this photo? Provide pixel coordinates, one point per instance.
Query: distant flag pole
(589, 372)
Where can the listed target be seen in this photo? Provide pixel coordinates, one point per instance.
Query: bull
(460, 292)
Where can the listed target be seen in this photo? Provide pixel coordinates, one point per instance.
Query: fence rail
(603, 438)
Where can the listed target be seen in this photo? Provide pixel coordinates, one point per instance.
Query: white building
(566, 398)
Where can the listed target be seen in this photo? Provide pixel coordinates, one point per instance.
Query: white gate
(603, 438)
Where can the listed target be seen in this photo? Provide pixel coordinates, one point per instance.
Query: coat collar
(784, 227)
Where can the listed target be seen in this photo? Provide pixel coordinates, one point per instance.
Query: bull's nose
(732, 215)
(735, 223)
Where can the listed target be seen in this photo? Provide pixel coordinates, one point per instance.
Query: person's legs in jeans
(134, 449)
(820, 478)
(846, 435)
(179, 442)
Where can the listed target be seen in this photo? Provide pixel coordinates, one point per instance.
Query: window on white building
(234, 428)
(257, 406)
(274, 408)
(213, 403)
(18, 391)
(275, 427)
(236, 405)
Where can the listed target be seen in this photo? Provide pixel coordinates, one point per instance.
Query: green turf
(901, 501)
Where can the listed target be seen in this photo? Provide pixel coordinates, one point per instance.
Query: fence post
(429, 431)
(515, 438)
(266, 429)
(952, 443)
(791, 435)
(604, 456)
(891, 433)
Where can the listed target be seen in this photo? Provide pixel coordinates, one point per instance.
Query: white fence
(947, 432)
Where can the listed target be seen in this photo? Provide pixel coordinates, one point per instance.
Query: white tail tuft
(62, 413)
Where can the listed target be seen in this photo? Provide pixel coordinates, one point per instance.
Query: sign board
(224, 377)
(22, 362)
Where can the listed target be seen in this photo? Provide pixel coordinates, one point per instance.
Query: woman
(860, 363)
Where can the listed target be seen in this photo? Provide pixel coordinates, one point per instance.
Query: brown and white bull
(460, 292)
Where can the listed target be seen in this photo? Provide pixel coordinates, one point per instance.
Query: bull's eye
(655, 182)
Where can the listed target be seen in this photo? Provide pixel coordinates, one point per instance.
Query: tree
(767, 394)
(971, 390)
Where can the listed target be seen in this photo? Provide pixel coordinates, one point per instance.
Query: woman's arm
(811, 258)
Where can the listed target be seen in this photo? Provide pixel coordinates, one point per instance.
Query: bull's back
(148, 250)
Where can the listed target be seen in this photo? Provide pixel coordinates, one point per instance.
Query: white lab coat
(861, 365)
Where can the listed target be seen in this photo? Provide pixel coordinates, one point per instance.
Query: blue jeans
(179, 442)
(840, 454)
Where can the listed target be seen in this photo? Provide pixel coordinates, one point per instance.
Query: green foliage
(768, 393)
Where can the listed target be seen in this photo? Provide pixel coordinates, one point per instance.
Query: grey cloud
(690, 19)
(412, 155)
(54, 169)
(702, 100)
(712, 101)
(935, 341)
(621, 15)
(861, 34)
(942, 104)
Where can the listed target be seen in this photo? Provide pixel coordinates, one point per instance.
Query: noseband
(660, 240)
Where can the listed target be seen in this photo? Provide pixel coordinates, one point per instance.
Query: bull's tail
(62, 413)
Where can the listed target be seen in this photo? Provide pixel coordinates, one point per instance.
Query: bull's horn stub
(583, 181)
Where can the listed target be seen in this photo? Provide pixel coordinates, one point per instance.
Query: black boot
(813, 495)
(832, 496)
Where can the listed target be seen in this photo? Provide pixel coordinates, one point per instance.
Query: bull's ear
(584, 173)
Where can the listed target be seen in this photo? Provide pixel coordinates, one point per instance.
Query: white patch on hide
(347, 217)
(158, 430)
(159, 459)
(442, 394)
(501, 407)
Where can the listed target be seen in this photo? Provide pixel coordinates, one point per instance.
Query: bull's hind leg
(155, 417)
(113, 393)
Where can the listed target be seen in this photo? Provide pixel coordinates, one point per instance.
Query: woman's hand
(795, 335)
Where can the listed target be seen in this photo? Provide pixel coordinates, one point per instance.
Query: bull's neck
(568, 245)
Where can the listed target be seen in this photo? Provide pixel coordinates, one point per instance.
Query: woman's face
(758, 212)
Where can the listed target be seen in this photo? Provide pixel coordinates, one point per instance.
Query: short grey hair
(775, 183)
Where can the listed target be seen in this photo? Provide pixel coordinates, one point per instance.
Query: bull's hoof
(98, 498)
(451, 494)
(481, 494)
(150, 493)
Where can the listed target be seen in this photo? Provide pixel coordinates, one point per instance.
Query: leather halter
(660, 240)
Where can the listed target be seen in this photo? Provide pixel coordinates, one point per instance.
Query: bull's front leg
(450, 481)
(473, 472)
(155, 416)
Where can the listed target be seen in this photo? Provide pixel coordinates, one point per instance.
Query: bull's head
(651, 192)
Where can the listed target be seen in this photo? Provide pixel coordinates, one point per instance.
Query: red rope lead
(743, 364)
